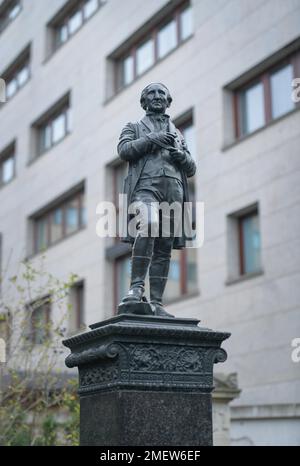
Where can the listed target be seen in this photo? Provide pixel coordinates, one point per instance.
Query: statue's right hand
(165, 138)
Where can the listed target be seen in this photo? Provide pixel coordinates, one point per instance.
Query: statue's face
(156, 99)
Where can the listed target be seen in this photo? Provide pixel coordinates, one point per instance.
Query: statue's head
(156, 98)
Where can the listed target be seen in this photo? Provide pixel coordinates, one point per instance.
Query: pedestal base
(146, 380)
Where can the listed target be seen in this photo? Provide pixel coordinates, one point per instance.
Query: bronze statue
(159, 164)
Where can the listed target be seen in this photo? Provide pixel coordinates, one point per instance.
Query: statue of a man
(159, 164)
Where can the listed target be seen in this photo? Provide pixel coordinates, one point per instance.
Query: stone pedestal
(146, 380)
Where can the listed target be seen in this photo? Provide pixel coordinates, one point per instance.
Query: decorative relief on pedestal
(155, 365)
(173, 359)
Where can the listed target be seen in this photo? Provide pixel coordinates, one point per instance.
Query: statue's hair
(144, 93)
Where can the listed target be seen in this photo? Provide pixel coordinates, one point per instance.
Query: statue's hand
(165, 138)
(178, 155)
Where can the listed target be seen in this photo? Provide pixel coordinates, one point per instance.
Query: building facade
(74, 71)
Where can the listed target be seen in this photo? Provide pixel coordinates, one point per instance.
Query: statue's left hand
(178, 155)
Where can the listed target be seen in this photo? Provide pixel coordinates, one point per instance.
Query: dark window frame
(45, 304)
(62, 18)
(265, 79)
(5, 9)
(47, 216)
(150, 34)
(241, 218)
(8, 153)
(22, 61)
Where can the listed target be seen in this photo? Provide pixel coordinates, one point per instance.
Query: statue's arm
(188, 164)
(129, 147)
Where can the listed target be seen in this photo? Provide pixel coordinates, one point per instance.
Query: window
(54, 126)
(77, 313)
(267, 97)
(7, 165)
(244, 244)
(18, 74)
(71, 18)
(183, 280)
(167, 38)
(162, 39)
(39, 331)
(249, 243)
(9, 10)
(60, 221)
(144, 56)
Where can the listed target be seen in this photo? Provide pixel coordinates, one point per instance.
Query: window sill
(242, 278)
(259, 130)
(160, 60)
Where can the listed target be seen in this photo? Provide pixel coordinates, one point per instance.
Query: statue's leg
(143, 247)
(158, 273)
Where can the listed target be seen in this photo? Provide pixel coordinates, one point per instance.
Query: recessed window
(71, 18)
(249, 243)
(252, 108)
(39, 324)
(267, 97)
(77, 312)
(162, 39)
(244, 243)
(186, 23)
(144, 56)
(167, 38)
(9, 10)
(18, 74)
(53, 127)
(7, 165)
(281, 91)
(59, 222)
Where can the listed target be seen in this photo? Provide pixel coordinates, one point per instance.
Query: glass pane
(145, 56)
(41, 233)
(14, 11)
(191, 257)
(190, 138)
(123, 277)
(281, 91)
(62, 34)
(83, 219)
(11, 88)
(127, 70)
(167, 39)
(251, 243)
(89, 8)
(173, 284)
(58, 128)
(253, 114)
(56, 231)
(8, 169)
(186, 23)
(72, 216)
(23, 75)
(45, 138)
(75, 22)
(40, 324)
